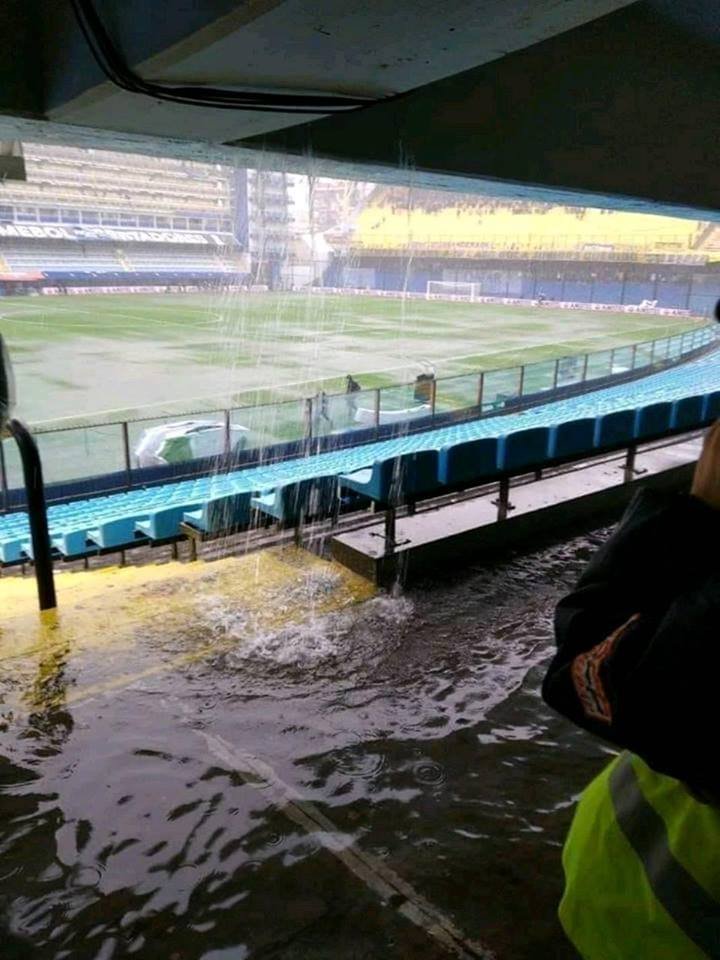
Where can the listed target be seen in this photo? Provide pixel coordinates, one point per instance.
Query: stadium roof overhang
(581, 100)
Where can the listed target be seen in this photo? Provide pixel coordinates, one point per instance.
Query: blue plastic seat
(572, 439)
(399, 479)
(11, 551)
(416, 474)
(614, 429)
(314, 497)
(525, 448)
(164, 524)
(468, 462)
(372, 482)
(711, 406)
(221, 513)
(73, 544)
(653, 420)
(687, 413)
(115, 533)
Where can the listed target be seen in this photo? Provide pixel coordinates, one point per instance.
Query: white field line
(380, 879)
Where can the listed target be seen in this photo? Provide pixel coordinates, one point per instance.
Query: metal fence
(74, 453)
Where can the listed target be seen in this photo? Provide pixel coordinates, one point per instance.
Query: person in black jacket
(638, 664)
(638, 659)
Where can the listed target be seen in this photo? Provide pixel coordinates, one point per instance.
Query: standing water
(378, 780)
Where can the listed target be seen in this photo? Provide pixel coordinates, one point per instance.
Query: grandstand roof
(570, 102)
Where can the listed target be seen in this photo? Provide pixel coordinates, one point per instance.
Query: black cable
(117, 71)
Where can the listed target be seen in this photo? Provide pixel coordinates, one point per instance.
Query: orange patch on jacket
(586, 677)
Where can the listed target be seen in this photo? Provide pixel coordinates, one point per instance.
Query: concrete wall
(695, 289)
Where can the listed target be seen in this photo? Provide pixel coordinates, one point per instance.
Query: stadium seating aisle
(619, 414)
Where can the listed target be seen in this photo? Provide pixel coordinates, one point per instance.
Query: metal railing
(75, 453)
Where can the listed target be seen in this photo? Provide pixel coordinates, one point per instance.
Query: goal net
(449, 290)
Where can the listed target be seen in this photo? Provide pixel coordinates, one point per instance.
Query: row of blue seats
(155, 513)
(396, 479)
(426, 472)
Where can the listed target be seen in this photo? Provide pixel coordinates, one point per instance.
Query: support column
(630, 471)
(503, 501)
(37, 514)
(226, 418)
(126, 453)
(390, 529)
(3, 477)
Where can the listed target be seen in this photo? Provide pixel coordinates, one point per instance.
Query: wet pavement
(374, 778)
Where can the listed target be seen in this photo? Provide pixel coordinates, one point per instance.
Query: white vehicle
(366, 417)
(187, 440)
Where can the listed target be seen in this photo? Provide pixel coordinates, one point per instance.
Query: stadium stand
(146, 257)
(396, 470)
(84, 213)
(710, 242)
(418, 240)
(48, 257)
(396, 217)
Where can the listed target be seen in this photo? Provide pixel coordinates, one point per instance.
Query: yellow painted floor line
(127, 614)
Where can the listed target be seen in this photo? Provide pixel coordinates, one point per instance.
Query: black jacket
(638, 659)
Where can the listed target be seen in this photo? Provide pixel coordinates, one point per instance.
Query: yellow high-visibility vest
(642, 869)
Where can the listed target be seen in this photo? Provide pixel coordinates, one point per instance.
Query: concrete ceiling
(624, 110)
(366, 48)
(572, 99)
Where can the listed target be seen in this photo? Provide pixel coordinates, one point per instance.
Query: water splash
(316, 638)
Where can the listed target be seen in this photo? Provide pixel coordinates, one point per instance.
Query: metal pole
(308, 418)
(503, 500)
(377, 407)
(585, 367)
(126, 452)
(481, 385)
(634, 356)
(522, 380)
(629, 468)
(3, 476)
(433, 394)
(227, 432)
(37, 513)
(557, 374)
(390, 535)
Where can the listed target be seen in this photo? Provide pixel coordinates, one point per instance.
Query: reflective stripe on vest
(642, 868)
(692, 908)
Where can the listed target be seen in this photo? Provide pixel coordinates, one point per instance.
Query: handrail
(205, 411)
(308, 426)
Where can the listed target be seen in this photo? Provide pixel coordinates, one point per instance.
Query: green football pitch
(95, 359)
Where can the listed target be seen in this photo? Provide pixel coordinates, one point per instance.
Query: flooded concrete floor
(259, 759)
